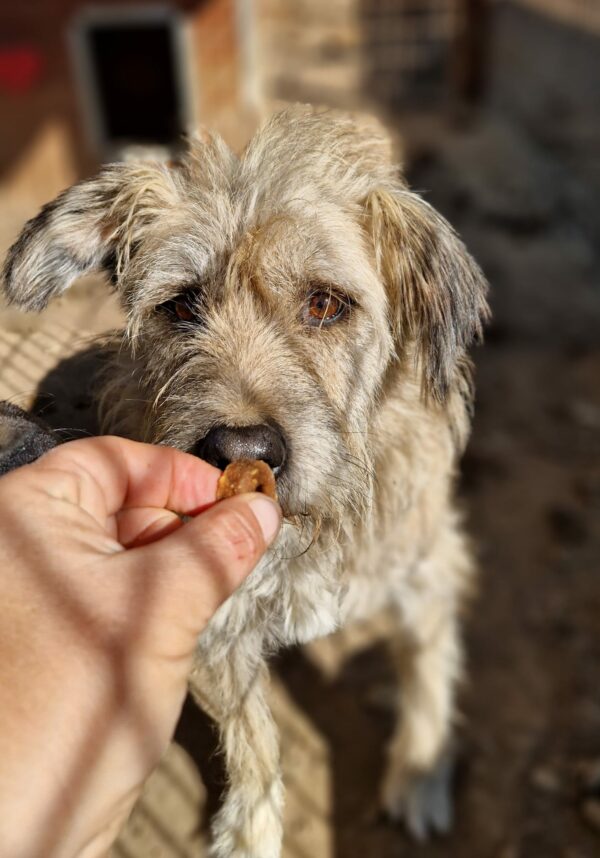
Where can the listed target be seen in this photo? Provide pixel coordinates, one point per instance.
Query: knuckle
(237, 535)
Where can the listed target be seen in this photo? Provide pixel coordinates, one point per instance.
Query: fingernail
(268, 516)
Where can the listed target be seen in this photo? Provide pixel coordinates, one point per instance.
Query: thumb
(202, 562)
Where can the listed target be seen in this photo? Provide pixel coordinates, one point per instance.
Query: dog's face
(269, 297)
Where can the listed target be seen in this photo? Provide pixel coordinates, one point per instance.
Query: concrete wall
(584, 14)
(544, 74)
(544, 71)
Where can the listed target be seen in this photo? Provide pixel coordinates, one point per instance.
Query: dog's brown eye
(183, 311)
(325, 307)
(182, 308)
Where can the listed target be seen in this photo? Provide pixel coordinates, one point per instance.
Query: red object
(20, 69)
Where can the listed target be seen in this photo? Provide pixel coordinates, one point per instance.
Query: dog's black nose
(225, 444)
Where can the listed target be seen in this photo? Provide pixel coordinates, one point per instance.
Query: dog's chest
(289, 601)
(285, 602)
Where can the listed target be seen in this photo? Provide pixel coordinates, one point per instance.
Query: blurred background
(495, 112)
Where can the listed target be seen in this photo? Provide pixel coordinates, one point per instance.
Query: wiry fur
(375, 409)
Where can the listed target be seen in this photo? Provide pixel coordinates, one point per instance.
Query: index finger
(104, 475)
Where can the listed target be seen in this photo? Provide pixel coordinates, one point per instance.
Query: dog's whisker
(23, 397)
(74, 430)
(170, 382)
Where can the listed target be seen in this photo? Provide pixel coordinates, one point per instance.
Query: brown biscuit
(246, 475)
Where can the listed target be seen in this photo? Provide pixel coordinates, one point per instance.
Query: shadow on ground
(65, 396)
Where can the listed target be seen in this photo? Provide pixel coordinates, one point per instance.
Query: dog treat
(246, 475)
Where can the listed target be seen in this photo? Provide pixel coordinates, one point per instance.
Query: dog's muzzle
(225, 444)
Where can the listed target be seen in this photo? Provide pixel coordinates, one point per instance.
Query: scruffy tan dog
(300, 305)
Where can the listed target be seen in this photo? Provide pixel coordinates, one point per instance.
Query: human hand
(104, 592)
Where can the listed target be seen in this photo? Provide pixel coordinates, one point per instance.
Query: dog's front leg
(233, 693)
(417, 785)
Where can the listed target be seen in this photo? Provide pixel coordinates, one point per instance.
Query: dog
(297, 304)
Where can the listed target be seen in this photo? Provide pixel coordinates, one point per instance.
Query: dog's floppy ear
(91, 226)
(436, 290)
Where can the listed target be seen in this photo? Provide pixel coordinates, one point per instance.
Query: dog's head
(273, 300)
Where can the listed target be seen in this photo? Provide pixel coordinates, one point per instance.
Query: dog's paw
(422, 801)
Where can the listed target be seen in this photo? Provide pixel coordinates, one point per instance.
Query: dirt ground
(528, 780)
